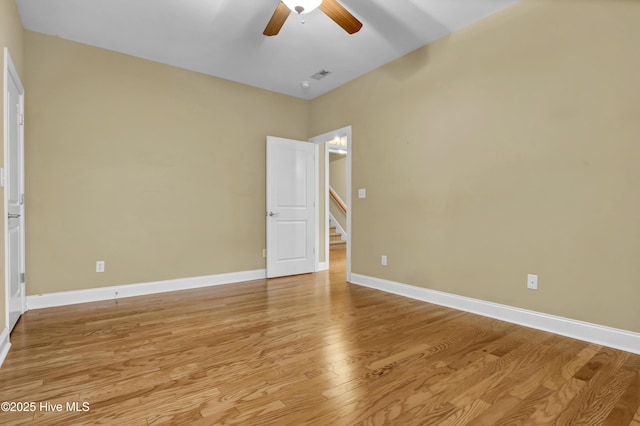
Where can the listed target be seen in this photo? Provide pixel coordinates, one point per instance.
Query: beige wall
(338, 214)
(11, 37)
(156, 170)
(510, 147)
(338, 174)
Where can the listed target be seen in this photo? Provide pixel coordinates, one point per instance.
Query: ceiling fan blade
(277, 20)
(340, 16)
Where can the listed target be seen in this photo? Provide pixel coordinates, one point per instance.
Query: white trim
(129, 290)
(323, 266)
(316, 203)
(340, 229)
(594, 333)
(336, 150)
(327, 224)
(349, 200)
(5, 221)
(317, 140)
(4, 345)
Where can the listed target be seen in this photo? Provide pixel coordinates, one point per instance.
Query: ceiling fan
(331, 8)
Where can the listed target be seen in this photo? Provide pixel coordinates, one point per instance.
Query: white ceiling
(224, 38)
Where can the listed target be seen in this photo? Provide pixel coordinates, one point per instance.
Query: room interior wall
(507, 148)
(338, 174)
(158, 171)
(10, 36)
(338, 214)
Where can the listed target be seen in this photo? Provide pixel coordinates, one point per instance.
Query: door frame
(322, 139)
(11, 73)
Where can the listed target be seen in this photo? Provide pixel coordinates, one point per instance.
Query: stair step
(335, 239)
(337, 245)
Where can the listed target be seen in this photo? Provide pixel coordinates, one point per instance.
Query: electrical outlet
(100, 266)
(532, 282)
(362, 193)
(264, 252)
(383, 260)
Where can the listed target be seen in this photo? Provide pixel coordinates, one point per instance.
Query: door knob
(13, 216)
(272, 214)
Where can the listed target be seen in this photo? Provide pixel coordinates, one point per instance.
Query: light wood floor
(302, 350)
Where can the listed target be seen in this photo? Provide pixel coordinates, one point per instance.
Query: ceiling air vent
(320, 75)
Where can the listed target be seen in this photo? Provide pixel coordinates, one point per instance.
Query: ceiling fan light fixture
(302, 6)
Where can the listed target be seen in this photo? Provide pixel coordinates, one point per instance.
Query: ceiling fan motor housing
(302, 6)
(334, 10)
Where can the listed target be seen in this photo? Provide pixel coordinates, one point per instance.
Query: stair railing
(338, 200)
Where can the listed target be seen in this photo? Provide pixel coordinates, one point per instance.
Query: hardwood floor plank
(627, 405)
(605, 384)
(399, 356)
(495, 412)
(599, 361)
(636, 419)
(556, 359)
(494, 382)
(521, 412)
(556, 403)
(467, 413)
(306, 350)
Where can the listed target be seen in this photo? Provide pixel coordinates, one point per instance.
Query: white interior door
(14, 194)
(290, 207)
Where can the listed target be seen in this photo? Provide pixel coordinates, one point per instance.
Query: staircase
(335, 239)
(335, 235)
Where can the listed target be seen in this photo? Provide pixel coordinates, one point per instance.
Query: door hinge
(21, 119)
(22, 277)
(21, 198)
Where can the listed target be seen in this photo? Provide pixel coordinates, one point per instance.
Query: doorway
(325, 140)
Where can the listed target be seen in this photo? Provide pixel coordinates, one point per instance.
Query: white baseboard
(116, 292)
(4, 344)
(322, 266)
(594, 333)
